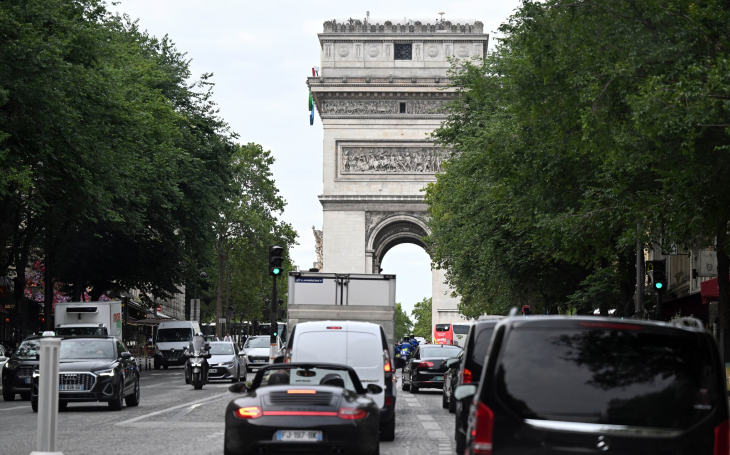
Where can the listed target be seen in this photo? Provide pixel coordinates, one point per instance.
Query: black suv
(470, 370)
(18, 370)
(94, 369)
(567, 385)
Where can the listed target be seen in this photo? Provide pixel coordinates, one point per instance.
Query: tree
(403, 323)
(422, 315)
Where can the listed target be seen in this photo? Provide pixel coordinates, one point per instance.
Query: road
(173, 418)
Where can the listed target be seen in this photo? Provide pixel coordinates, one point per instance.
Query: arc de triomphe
(378, 95)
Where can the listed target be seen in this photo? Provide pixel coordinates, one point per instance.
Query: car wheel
(460, 441)
(8, 394)
(157, 365)
(405, 387)
(444, 400)
(116, 403)
(452, 405)
(414, 389)
(164, 367)
(34, 405)
(62, 405)
(387, 431)
(133, 399)
(237, 376)
(25, 396)
(377, 450)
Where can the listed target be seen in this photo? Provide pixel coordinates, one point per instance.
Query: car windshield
(81, 331)
(309, 376)
(221, 348)
(28, 349)
(257, 342)
(443, 327)
(173, 335)
(87, 349)
(444, 352)
(635, 377)
(461, 329)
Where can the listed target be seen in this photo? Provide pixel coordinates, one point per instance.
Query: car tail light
(388, 401)
(481, 431)
(301, 391)
(334, 328)
(467, 376)
(352, 414)
(387, 366)
(610, 325)
(287, 356)
(722, 438)
(424, 364)
(253, 412)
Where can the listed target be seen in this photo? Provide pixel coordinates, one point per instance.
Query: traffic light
(656, 270)
(276, 260)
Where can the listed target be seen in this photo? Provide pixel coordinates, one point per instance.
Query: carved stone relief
(328, 51)
(343, 51)
(358, 51)
(425, 106)
(478, 49)
(433, 51)
(387, 51)
(373, 51)
(417, 51)
(318, 247)
(462, 51)
(357, 107)
(448, 50)
(393, 160)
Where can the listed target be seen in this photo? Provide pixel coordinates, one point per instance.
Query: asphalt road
(173, 418)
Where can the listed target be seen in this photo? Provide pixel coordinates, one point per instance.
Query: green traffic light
(659, 285)
(276, 271)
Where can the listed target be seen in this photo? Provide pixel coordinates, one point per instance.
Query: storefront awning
(686, 306)
(710, 290)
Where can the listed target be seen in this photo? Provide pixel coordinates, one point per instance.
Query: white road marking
(216, 434)
(202, 400)
(424, 417)
(17, 407)
(436, 434)
(431, 425)
(173, 425)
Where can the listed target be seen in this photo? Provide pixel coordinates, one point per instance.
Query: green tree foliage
(589, 117)
(403, 323)
(422, 315)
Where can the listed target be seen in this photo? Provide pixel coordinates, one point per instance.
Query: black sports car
(312, 407)
(18, 370)
(94, 369)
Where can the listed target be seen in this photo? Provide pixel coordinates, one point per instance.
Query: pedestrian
(227, 337)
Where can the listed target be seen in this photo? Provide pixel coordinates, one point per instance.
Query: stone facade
(381, 92)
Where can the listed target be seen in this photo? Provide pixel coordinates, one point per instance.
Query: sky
(261, 53)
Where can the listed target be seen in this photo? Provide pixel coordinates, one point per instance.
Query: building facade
(380, 94)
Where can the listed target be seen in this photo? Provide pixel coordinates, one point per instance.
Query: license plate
(70, 387)
(214, 371)
(27, 380)
(299, 436)
(438, 378)
(259, 361)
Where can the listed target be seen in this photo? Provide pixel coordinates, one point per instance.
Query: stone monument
(381, 91)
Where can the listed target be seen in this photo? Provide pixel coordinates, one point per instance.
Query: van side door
(365, 355)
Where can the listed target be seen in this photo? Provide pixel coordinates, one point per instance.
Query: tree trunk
(219, 289)
(723, 283)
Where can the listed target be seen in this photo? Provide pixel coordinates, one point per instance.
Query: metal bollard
(48, 397)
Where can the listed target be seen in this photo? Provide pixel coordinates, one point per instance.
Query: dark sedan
(94, 369)
(427, 367)
(18, 370)
(451, 380)
(307, 407)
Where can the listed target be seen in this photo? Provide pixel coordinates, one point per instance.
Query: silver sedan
(226, 361)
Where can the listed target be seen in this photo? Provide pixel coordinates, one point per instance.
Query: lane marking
(437, 435)
(17, 407)
(174, 425)
(424, 417)
(202, 400)
(431, 425)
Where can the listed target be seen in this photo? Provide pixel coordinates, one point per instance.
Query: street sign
(222, 320)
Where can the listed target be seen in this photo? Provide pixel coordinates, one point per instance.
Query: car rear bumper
(428, 384)
(171, 361)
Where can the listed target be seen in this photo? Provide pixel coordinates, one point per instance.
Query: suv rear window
(639, 377)
(481, 344)
(442, 327)
(461, 329)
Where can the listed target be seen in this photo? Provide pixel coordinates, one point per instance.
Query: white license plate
(27, 380)
(259, 361)
(70, 387)
(438, 378)
(299, 436)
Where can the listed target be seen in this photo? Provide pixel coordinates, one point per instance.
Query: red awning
(685, 306)
(2, 309)
(710, 290)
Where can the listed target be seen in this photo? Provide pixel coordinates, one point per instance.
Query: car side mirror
(126, 355)
(238, 388)
(465, 392)
(374, 389)
(451, 363)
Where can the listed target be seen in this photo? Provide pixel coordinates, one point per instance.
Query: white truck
(314, 296)
(89, 318)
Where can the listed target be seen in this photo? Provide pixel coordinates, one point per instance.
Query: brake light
(253, 412)
(334, 328)
(298, 391)
(467, 376)
(722, 438)
(287, 356)
(610, 325)
(424, 364)
(351, 414)
(387, 367)
(481, 431)
(388, 401)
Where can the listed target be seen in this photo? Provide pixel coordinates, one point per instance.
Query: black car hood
(86, 365)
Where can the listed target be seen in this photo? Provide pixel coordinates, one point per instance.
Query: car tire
(62, 405)
(414, 389)
(133, 399)
(237, 377)
(164, 367)
(452, 405)
(444, 401)
(460, 441)
(157, 365)
(34, 405)
(25, 396)
(376, 451)
(387, 431)
(117, 402)
(8, 394)
(405, 387)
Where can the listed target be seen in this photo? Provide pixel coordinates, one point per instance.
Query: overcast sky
(261, 53)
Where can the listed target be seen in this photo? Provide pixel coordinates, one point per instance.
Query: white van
(360, 345)
(171, 340)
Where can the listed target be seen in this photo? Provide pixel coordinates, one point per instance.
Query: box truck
(314, 296)
(89, 318)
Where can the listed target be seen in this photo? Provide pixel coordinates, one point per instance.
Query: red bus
(443, 334)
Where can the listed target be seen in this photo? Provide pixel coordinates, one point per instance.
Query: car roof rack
(692, 323)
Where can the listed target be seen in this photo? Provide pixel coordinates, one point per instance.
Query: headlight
(194, 364)
(226, 364)
(106, 372)
(36, 373)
